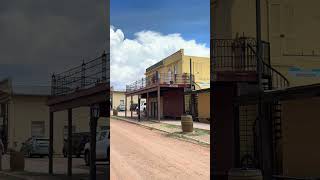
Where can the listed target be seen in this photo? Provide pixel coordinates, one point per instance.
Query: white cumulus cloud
(130, 57)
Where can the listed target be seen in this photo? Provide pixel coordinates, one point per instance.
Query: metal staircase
(239, 56)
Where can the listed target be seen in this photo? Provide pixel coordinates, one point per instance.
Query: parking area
(37, 168)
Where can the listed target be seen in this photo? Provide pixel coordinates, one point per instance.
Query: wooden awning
(285, 94)
(85, 97)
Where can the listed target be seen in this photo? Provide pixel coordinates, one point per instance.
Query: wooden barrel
(115, 112)
(17, 161)
(187, 123)
(245, 174)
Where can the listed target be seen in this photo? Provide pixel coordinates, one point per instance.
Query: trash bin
(187, 123)
(17, 161)
(244, 174)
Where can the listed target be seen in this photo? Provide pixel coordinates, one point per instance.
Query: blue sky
(190, 18)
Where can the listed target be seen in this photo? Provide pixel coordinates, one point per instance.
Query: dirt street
(140, 153)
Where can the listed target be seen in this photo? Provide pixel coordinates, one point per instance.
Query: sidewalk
(173, 129)
(197, 125)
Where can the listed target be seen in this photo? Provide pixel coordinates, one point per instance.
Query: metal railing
(160, 78)
(277, 79)
(236, 55)
(239, 55)
(87, 75)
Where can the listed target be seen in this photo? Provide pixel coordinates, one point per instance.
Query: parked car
(121, 107)
(102, 147)
(79, 140)
(143, 106)
(133, 107)
(35, 146)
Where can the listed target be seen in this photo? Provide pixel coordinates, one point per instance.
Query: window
(37, 128)
(65, 133)
(175, 69)
(121, 102)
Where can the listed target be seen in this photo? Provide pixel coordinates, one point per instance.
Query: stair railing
(278, 80)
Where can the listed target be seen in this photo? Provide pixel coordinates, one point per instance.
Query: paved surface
(140, 153)
(197, 125)
(37, 169)
(199, 135)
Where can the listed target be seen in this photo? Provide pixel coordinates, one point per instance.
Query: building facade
(118, 98)
(27, 116)
(291, 27)
(165, 83)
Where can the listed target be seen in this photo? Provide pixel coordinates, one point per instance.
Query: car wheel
(87, 158)
(29, 154)
(65, 154)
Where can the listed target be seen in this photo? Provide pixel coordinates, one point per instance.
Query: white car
(102, 147)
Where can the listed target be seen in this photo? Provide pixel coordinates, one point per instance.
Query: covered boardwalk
(85, 85)
(164, 95)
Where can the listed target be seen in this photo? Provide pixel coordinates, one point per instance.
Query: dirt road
(140, 153)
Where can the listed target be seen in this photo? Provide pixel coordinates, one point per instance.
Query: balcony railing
(162, 78)
(84, 76)
(236, 54)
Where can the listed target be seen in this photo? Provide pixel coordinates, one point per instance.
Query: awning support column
(147, 108)
(69, 142)
(51, 143)
(125, 108)
(139, 111)
(93, 133)
(131, 102)
(159, 102)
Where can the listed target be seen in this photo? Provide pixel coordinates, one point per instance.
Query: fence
(87, 75)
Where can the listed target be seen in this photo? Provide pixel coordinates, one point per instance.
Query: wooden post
(131, 102)
(158, 102)
(139, 111)
(51, 143)
(125, 108)
(147, 107)
(69, 142)
(93, 133)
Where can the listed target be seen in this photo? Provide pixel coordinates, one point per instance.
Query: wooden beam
(93, 132)
(101, 88)
(147, 107)
(51, 143)
(139, 111)
(125, 108)
(80, 102)
(70, 142)
(131, 102)
(158, 103)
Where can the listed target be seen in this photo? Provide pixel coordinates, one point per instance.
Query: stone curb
(181, 137)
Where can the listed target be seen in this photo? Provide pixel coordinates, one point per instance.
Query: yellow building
(177, 64)
(26, 113)
(291, 26)
(202, 104)
(166, 81)
(118, 98)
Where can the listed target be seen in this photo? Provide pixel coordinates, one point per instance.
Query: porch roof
(284, 94)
